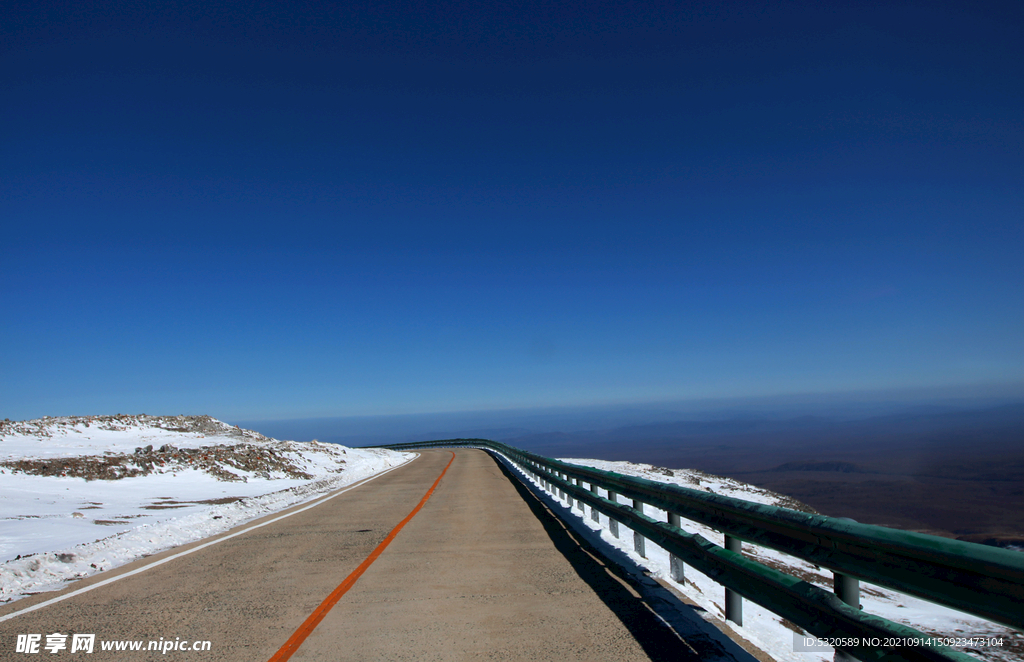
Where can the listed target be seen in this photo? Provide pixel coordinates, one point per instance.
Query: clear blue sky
(260, 212)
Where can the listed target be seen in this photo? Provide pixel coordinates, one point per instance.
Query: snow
(74, 436)
(54, 529)
(761, 627)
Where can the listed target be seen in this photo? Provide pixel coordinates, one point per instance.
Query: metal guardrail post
(733, 600)
(675, 564)
(613, 524)
(847, 589)
(594, 515)
(639, 542)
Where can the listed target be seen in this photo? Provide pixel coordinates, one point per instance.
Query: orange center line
(320, 612)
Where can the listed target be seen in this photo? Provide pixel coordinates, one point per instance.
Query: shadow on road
(665, 627)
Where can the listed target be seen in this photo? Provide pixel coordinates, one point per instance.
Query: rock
(218, 461)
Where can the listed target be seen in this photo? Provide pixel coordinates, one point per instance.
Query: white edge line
(86, 589)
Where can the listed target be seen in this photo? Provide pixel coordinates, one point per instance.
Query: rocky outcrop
(254, 459)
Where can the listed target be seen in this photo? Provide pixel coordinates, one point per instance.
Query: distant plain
(955, 474)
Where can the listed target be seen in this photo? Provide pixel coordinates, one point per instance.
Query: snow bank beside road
(61, 520)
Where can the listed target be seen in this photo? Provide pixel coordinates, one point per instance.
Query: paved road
(481, 572)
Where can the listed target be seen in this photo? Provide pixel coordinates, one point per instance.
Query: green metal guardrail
(981, 580)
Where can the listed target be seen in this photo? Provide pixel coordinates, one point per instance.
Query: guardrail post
(675, 564)
(594, 515)
(639, 543)
(846, 589)
(733, 600)
(613, 524)
(572, 502)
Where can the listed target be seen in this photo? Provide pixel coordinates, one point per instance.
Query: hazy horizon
(510, 423)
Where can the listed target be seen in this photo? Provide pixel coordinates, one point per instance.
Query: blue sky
(260, 212)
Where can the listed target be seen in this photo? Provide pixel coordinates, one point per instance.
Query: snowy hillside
(84, 494)
(763, 628)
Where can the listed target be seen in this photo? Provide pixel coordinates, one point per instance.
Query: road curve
(481, 572)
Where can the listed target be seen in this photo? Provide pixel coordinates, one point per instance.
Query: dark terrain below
(952, 473)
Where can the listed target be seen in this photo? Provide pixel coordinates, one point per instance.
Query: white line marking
(198, 547)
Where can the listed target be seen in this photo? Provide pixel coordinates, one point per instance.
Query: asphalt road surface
(482, 571)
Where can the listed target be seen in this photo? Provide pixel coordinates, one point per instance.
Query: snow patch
(210, 478)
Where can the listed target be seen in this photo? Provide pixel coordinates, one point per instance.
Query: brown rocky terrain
(214, 460)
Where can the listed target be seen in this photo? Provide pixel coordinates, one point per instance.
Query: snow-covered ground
(762, 627)
(79, 495)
